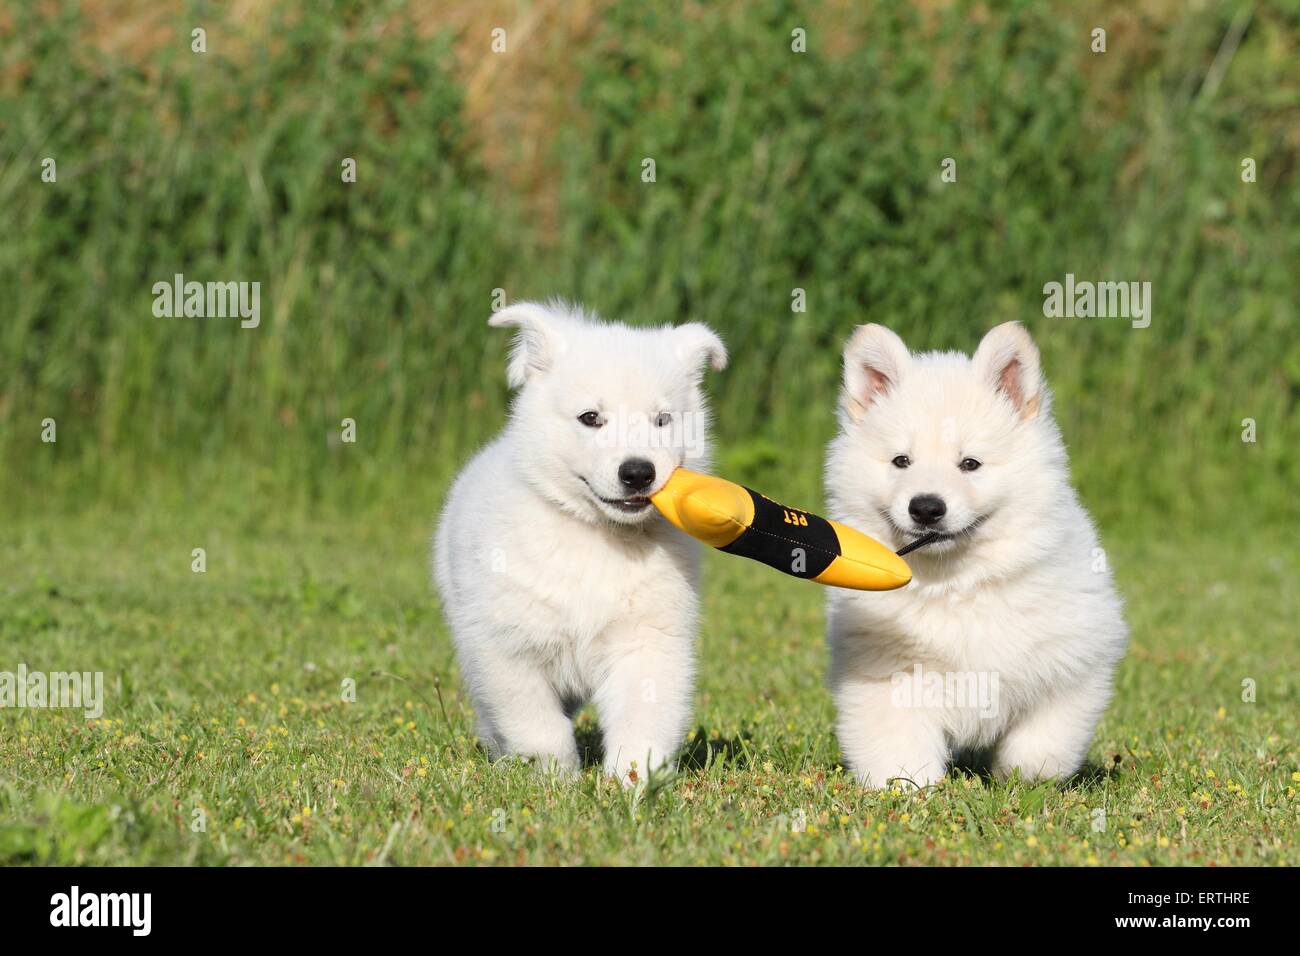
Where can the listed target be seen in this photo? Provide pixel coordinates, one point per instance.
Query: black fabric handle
(794, 542)
(920, 542)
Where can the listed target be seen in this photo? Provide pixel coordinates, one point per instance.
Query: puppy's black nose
(637, 474)
(926, 509)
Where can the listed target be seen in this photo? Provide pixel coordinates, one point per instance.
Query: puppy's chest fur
(1025, 632)
(571, 584)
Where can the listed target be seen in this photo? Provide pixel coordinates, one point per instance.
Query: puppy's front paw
(562, 766)
(1051, 743)
(550, 765)
(927, 773)
(625, 767)
(1033, 763)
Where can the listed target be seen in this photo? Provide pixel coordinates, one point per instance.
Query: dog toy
(734, 519)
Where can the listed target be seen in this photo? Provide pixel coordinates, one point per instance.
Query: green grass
(224, 695)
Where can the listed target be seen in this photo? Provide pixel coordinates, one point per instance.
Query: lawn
(225, 738)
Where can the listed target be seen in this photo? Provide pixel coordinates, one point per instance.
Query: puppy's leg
(519, 712)
(644, 699)
(1052, 740)
(882, 740)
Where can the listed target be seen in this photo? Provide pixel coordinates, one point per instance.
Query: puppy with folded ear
(1008, 636)
(561, 583)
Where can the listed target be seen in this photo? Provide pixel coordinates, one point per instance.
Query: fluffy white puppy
(561, 582)
(1006, 640)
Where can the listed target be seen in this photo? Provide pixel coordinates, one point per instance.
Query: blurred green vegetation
(775, 171)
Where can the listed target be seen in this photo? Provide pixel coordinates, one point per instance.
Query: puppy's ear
(874, 361)
(1008, 361)
(698, 345)
(535, 346)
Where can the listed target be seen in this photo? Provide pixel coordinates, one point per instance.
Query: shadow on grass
(696, 754)
(980, 764)
(704, 749)
(591, 749)
(1091, 774)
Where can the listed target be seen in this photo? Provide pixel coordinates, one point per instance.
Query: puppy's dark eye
(969, 464)
(902, 461)
(590, 419)
(663, 419)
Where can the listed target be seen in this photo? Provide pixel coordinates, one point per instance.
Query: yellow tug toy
(734, 519)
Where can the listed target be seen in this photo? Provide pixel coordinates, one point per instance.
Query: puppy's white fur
(555, 593)
(1019, 597)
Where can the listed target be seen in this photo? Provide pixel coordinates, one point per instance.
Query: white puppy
(1006, 640)
(562, 584)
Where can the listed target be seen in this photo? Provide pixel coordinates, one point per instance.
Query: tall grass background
(522, 171)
